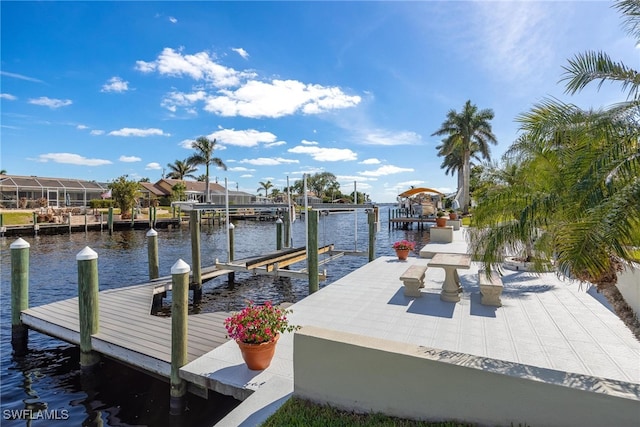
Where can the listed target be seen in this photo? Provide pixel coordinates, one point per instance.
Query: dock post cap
(231, 226)
(278, 221)
(86, 254)
(152, 233)
(20, 243)
(180, 267)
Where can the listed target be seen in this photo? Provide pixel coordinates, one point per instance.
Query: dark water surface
(47, 381)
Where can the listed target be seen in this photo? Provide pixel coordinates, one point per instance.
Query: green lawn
(17, 218)
(298, 412)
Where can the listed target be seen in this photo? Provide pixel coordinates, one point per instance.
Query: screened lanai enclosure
(29, 192)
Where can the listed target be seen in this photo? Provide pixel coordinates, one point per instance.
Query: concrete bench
(413, 280)
(490, 289)
(441, 234)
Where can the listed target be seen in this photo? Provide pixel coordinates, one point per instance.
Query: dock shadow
(430, 304)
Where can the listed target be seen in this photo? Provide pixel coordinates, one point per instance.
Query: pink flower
(258, 324)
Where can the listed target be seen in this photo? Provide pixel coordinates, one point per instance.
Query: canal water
(47, 384)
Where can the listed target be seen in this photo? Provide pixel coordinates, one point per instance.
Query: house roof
(197, 186)
(16, 181)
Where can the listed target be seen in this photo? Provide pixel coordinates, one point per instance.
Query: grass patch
(299, 412)
(17, 218)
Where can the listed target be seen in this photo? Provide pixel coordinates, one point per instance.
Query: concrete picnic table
(450, 263)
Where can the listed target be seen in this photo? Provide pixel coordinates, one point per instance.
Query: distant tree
(275, 192)
(178, 192)
(201, 178)
(124, 193)
(181, 169)
(265, 186)
(144, 180)
(467, 132)
(204, 156)
(3, 171)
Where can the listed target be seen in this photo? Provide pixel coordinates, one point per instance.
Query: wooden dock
(128, 331)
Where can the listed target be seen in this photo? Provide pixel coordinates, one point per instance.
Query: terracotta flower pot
(402, 254)
(441, 221)
(453, 215)
(258, 356)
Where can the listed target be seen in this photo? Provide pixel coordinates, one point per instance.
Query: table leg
(450, 287)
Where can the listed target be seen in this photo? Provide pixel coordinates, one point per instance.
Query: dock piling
(110, 221)
(194, 224)
(152, 254)
(232, 276)
(278, 234)
(19, 294)
(87, 305)
(372, 235)
(179, 330)
(312, 250)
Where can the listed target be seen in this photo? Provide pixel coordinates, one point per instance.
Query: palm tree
(469, 132)
(204, 156)
(265, 186)
(181, 169)
(583, 195)
(3, 171)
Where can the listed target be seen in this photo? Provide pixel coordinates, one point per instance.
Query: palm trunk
(465, 182)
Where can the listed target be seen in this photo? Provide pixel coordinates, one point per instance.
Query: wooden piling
(69, 221)
(372, 235)
(194, 224)
(152, 252)
(312, 250)
(87, 305)
(133, 216)
(19, 294)
(179, 331)
(36, 227)
(278, 234)
(110, 221)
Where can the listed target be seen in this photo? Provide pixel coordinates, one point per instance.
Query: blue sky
(98, 90)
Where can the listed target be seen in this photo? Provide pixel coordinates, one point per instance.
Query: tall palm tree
(467, 132)
(265, 186)
(204, 156)
(181, 169)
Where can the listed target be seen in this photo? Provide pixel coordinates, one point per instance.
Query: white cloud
(240, 169)
(325, 154)
(115, 84)
(386, 170)
(153, 166)
(173, 100)
(345, 179)
(138, 132)
(247, 175)
(129, 159)
(305, 142)
(386, 137)
(242, 138)
(97, 132)
(50, 102)
(371, 161)
(82, 127)
(264, 161)
(275, 144)
(71, 159)
(199, 66)
(240, 51)
(8, 96)
(173, 20)
(278, 98)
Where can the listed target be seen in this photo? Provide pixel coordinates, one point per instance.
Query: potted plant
(441, 220)
(453, 214)
(402, 248)
(257, 329)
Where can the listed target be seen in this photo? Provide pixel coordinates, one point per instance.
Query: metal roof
(43, 182)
